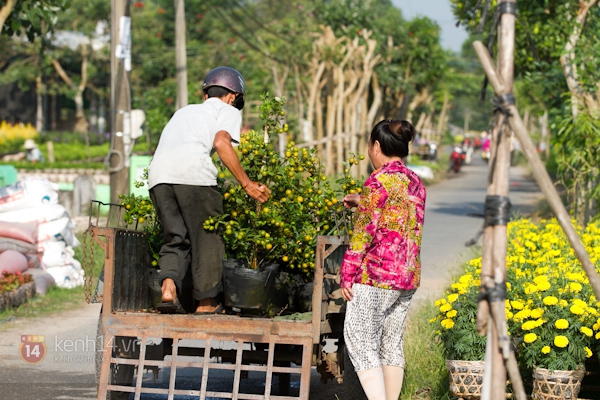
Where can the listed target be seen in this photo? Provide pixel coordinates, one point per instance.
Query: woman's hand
(347, 294)
(351, 200)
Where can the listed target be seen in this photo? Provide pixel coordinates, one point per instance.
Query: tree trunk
(180, 55)
(567, 61)
(5, 11)
(39, 114)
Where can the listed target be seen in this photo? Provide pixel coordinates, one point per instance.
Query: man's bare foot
(169, 291)
(208, 305)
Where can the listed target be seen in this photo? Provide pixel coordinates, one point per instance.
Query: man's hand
(257, 191)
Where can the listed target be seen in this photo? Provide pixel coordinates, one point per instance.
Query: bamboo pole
(493, 270)
(539, 171)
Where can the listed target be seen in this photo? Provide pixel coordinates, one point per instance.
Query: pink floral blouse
(385, 246)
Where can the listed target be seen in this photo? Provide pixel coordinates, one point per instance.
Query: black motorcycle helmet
(228, 78)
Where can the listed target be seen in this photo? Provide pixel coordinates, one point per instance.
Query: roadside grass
(426, 376)
(57, 299)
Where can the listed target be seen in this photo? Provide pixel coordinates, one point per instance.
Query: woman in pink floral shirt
(381, 268)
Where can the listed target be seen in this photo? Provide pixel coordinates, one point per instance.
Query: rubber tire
(352, 388)
(120, 373)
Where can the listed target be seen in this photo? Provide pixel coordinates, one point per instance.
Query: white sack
(56, 254)
(27, 193)
(57, 230)
(40, 214)
(69, 276)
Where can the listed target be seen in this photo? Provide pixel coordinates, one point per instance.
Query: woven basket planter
(16, 297)
(466, 378)
(555, 385)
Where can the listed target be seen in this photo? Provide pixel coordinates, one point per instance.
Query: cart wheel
(119, 374)
(352, 388)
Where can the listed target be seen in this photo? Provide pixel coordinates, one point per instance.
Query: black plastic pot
(245, 288)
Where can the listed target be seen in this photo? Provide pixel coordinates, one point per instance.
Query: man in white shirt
(183, 187)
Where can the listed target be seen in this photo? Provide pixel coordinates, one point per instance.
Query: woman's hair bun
(402, 130)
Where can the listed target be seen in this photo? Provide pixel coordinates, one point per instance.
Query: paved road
(67, 372)
(454, 216)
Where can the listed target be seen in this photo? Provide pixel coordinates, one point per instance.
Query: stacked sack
(33, 224)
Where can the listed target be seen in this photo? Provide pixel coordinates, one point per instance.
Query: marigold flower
(543, 286)
(561, 324)
(588, 352)
(517, 305)
(447, 323)
(451, 314)
(528, 325)
(537, 313)
(563, 303)
(586, 331)
(445, 307)
(546, 349)
(561, 341)
(576, 310)
(597, 335)
(452, 298)
(530, 338)
(550, 300)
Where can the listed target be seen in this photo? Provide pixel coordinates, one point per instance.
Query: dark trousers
(182, 210)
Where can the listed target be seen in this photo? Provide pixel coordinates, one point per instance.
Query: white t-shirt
(183, 155)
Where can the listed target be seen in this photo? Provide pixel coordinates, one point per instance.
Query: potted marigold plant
(463, 346)
(552, 311)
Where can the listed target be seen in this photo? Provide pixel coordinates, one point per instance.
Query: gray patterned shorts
(374, 326)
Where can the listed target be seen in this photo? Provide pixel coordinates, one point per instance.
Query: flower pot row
(466, 380)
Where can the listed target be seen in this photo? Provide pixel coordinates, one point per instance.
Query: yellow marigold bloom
(445, 307)
(476, 262)
(539, 322)
(517, 305)
(530, 338)
(528, 325)
(561, 341)
(597, 335)
(561, 324)
(580, 303)
(576, 310)
(588, 352)
(451, 314)
(452, 298)
(546, 349)
(592, 311)
(508, 286)
(509, 315)
(586, 331)
(543, 286)
(466, 279)
(507, 304)
(550, 300)
(447, 323)
(537, 313)
(563, 303)
(432, 320)
(539, 279)
(439, 302)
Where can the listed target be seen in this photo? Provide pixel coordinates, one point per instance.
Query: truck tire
(352, 388)
(119, 374)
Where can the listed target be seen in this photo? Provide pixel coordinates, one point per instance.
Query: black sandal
(173, 307)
